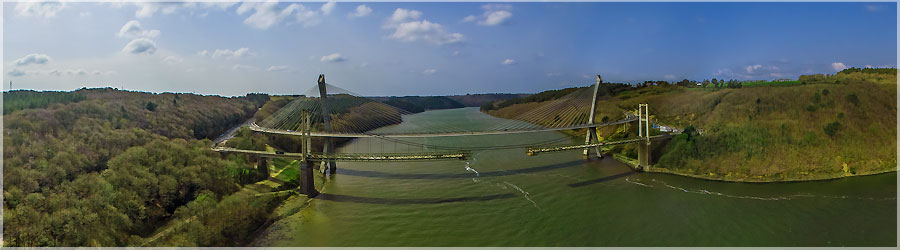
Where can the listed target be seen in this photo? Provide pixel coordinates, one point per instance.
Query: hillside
(417, 104)
(109, 168)
(476, 100)
(839, 125)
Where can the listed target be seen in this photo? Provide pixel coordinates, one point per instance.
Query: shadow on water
(364, 173)
(602, 179)
(392, 201)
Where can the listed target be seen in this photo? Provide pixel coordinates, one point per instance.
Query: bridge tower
(329, 145)
(644, 132)
(307, 185)
(591, 136)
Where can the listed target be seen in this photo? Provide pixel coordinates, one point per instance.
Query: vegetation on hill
(109, 169)
(29, 99)
(837, 125)
(476, 100)
(416, 104)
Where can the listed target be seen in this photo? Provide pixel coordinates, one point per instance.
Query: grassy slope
(781, 137)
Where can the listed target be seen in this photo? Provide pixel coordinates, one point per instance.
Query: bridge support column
(307, 185)
(329, 145)
(262, 167)
(592, 131)
(644, 132)
(590, 138)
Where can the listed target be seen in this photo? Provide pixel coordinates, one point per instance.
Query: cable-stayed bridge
(330, 112)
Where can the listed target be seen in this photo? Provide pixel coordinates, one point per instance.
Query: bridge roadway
(456, 155)
(534, 151)
(257, 128)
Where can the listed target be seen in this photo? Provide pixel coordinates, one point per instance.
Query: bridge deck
(534, 151)
(458, 155)
(257, 128)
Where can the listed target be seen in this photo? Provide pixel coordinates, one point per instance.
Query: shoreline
(632, 163)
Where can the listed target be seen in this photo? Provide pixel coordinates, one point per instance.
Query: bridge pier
(591, 135)
(307, 185)
(644, 132)
(262, 167)
(326, 117)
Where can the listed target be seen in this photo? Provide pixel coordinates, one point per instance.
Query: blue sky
(431, 48)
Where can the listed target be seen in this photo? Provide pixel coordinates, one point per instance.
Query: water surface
(560, 199)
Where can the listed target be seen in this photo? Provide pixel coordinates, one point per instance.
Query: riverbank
(633, 163)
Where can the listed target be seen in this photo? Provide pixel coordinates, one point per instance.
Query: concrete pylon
(307, 184)
(329, 145)
(591, 136)
(644, 132)
(262, 167)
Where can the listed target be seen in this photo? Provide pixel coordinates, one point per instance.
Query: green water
(559, 199)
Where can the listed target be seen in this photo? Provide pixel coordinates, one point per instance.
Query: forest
(105, 167)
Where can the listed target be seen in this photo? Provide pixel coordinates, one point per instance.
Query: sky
(383, 49)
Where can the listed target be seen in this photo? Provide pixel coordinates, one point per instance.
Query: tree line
(109, 169)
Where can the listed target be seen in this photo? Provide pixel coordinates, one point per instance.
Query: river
(559, 199)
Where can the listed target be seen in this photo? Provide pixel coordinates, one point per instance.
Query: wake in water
(523, 193)
(777, 198)
(637, 183)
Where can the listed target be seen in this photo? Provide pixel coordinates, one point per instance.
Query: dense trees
(28, 99)
(105, 171)
(890, 71)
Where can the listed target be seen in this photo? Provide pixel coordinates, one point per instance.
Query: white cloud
(33, 59)
(868, 66)
(429, 71)
(80, 72)
(494, 14)
(361, 11)
(241, 67)
(328, 7)
(279, 68)
(838, 66)
(172, 60)
(16, 72)
(752, 68)
(227, 53)
(493, 18)
(140, 46)
(508, 62)
(408, 29)
(267, 14)
(133, 29)
(669, 77)
(41, 10)
(336, 57)
(147, 9)
(552, 74)
(307, 18)
(364, 64)
(402, 15)
(455, 53)
(84, 14)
